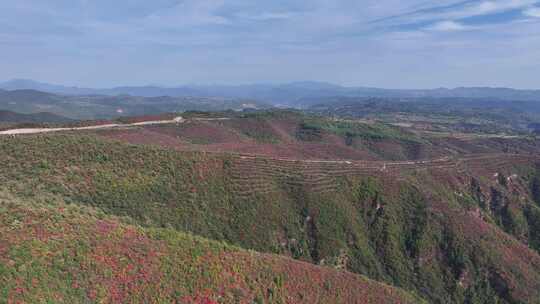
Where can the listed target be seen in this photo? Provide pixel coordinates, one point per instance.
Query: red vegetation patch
(88, 123)
(199, 299)
(105, 227)
(104, 261)
(144, 136)
(299, 282)
(200, 132)
(127, 266)
(252, 127)
(516, 265)
(216, 136)
(137, 119)
(285, 129)
(268, 137)
(4, 248)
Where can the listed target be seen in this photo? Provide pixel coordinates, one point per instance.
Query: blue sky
(382, 43)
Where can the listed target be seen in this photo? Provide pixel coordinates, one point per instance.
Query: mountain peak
(18, 83)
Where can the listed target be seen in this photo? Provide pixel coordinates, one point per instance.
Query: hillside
(38, 118)
(460, 229)
(293, 135)
(53, 252)
(473, 115)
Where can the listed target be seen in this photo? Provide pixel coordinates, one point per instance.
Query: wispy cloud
(455, 16)
(106, 42)
(189, 13)
(532, 12)
(267, 16)
(447, 26)
(471, 9)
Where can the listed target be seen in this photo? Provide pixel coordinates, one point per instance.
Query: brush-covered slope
(452, 230)
(286, 134)
(56, 253)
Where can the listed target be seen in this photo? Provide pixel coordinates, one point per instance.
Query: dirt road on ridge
(381, 165)
(176, 120)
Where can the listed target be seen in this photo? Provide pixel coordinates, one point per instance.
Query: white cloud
(532, 12)
(267, 16)
(189, 13)
(447, 26)
(280, 40)
(468, 10)
(491, 7)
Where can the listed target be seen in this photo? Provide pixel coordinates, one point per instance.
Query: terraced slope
(453, 230)
(296, 136)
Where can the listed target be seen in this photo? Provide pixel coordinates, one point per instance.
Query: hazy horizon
(276, 83)
(415, 44)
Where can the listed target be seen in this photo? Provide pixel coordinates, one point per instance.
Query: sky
(377, 43)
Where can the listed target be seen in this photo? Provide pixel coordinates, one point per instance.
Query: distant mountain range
(31, 101)
(296, 94)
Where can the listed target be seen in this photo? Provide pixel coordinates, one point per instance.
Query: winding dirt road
(176, 120)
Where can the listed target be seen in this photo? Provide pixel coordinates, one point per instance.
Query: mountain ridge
(94, 106)
(41, 117)
(288, 93)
